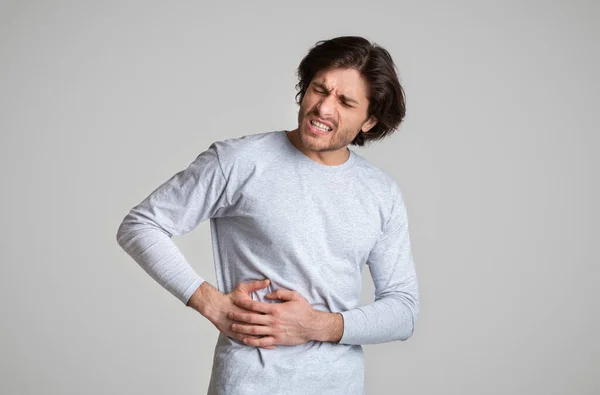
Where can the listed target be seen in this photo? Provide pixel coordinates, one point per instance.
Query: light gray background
(100, 102)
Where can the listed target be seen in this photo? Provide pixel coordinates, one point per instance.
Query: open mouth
(319, 127)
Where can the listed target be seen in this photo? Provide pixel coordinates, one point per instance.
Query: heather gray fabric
(275, 213)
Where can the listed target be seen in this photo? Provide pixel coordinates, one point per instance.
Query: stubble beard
(334, 144)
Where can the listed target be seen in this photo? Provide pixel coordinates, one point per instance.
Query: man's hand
(214, 305)
(290, 323)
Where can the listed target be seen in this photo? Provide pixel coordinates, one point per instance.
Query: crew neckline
(316, 165)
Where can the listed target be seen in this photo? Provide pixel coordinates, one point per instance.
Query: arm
(393, 314)
(174, 208)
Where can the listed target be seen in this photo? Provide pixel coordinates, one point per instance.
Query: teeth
(321, 126)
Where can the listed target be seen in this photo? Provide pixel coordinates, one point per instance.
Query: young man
(295, 216)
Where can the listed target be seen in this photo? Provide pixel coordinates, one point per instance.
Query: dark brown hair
(374, 63)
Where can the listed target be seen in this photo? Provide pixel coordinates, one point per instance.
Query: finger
(252, 286)
(257, 330)
(284, 294)
(241, 336)
(250, 318)
(253, 305)
(264, 342)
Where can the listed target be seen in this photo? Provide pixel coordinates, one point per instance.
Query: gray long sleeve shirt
(277, 214)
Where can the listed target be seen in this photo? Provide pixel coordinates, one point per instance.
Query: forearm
(388, 319)
(157, 254)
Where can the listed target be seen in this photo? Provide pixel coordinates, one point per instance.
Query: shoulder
(377, 179)
(246, 155)
(236, 151)
(379, 182)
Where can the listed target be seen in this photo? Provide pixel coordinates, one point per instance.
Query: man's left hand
(292, 322)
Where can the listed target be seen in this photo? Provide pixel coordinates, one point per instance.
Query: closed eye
(321, 91)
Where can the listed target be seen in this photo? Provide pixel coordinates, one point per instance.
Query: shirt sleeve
(393, 314)
(174, 208)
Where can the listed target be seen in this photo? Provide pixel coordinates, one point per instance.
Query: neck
(324, 157)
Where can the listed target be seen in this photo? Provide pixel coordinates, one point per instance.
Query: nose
(326, 106)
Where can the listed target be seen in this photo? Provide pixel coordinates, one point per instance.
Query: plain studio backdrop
(101, 102)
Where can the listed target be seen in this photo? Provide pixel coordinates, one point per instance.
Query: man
(295, 216)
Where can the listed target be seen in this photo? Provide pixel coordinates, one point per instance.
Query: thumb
(252, 286)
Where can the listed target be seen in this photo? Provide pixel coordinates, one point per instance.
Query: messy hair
(374, 63)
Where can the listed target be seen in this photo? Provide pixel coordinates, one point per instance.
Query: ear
(369, 124)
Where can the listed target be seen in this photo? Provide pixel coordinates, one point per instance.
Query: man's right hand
(215, 306)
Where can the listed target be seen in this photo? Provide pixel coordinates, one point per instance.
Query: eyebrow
(343, 97)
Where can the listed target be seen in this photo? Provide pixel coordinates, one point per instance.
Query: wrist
(329, 326)
(204, 299)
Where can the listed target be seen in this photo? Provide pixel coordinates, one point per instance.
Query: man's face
(337, 98)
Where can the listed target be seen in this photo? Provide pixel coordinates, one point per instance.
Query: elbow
(126, 229)
(409, 329)
(407, 317)
(405, 329)
(121, 233)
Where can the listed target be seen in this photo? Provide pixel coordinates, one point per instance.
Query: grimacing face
(337, 98)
